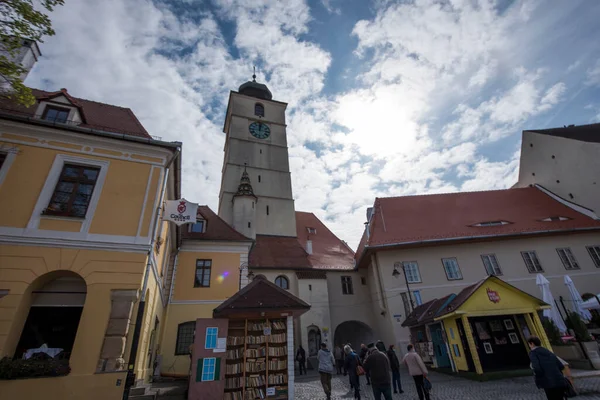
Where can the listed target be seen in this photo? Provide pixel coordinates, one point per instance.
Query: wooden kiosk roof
(261, 297)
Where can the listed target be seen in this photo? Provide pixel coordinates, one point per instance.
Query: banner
(180, 211)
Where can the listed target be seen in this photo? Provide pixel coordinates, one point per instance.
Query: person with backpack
(547, 370)
(326, 368)
(352, 364)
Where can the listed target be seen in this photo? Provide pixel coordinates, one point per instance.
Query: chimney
(309, 247)
(369, 213)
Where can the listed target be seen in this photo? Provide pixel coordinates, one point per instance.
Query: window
(282, 282)
(347, 285)
(492, 223)
(185, 338)
(417, 296)
(567, 258)
(363, 280)
(312, 231)
(553, 219)
(208, 369)
(259, 179)
(595, 254)
(202, 278)
(211, 338)
(198, 227)
(73, 191)
(56, 114)
(267, 210)
(259, 110)
(451, 268)
(411, 269)
(490, 262)
(532, 262)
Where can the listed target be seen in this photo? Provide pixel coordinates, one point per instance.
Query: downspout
(142, 304)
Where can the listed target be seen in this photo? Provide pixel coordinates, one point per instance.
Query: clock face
(259, 130)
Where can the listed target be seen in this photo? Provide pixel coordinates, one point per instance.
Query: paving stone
(446, 387)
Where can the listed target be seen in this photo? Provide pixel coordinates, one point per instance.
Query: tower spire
(245, 187)
(254, 74)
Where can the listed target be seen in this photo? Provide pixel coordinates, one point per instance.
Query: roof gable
(216, 228)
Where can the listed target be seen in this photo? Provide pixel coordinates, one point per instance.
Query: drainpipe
(130, 380)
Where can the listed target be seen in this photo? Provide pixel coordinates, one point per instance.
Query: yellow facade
(109, 250)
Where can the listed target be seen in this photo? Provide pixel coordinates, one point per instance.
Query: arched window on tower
(259, 110)
(282, 282)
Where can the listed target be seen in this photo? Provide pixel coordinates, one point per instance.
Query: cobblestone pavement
(446, 387)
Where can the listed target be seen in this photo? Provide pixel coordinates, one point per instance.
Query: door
(465, 345)
(439, 346)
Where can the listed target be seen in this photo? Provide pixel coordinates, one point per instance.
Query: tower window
(259, 110)
(259, 178)
(267, 210)
(249, 224)
(282, 282)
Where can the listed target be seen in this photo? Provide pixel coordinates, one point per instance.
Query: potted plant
(583, 335)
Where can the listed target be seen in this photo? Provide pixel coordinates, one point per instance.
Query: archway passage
(353, 332)
(53, 317)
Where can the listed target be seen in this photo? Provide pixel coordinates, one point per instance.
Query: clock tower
(256, 156)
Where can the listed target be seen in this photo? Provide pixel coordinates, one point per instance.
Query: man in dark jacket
(378, 366)
(301, 358)
(351, 361)
(547, 369)
(363, 357)
(380, 346)
(395, 366)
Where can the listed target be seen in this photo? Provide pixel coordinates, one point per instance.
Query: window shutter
(217, 369)
(199, 370)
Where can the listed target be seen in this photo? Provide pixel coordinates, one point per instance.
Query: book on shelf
(278, 338)
(233, 383)
(277, 364)
(278, 325)
(233, 396)
(235, 340)
(253, 381)
(232, 369)
(277, 351)
(260, 352)
(257, 326)
(258, 365)
(277, 379)
(254, 393)
(256, 339)
(235, 354)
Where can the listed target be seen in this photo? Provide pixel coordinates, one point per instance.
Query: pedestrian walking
(326, 368)
(363, 358)
(351, 364)
(547, 370)
(339, 359)
(301, 358)
(416, 369)
(378, 366)
(380, 346)
(395, 366)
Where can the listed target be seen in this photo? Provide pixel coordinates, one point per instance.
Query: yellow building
(483, 328)
(80, 187)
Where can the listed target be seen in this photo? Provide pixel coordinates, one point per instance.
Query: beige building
(564, 161)
(434, 245)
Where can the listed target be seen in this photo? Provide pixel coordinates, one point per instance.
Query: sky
(385, 98)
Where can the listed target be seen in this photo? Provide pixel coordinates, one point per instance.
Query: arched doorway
(57, 301)
(353, 332)
(314, 340)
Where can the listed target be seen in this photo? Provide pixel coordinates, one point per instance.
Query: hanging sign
(180, 211)
(493, 295)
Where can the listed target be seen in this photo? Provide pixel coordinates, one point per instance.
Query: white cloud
(593, 75)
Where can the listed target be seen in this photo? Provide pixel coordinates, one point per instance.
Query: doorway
(314, 340)
(439, 346)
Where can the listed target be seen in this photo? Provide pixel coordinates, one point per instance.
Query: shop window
(531, 262)
(203, 269)
(452, 269)
(73, 191)
(411, 269)
(567, 258)
(185, 338)
(595, 254)
(198, 227)
(282, 282)
(347, 285)
(211, 338)
(490, 262)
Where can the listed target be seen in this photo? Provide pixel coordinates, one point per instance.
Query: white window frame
(489, 257)
(458, 273)
(406, 265)
(312, 231)
(51, 181)
(532, 260)
(10, 158)
(594, 252)
(567, 258)
(198, 221)
(206, 369)
(209, 331)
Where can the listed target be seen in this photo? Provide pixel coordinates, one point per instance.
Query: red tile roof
(95, 115)
(329, 252)
(413, 220)
(318, 274)
(216, 228)
(261, 295)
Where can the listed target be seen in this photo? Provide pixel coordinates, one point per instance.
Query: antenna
(254, 74)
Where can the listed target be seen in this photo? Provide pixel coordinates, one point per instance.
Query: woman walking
(416, 369)
(326, 368)
(351, 364)
(547, 369)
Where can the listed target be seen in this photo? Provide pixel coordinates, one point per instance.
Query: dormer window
(491, 223)
(56, 114)
(198, 227)
(259, 110)
(553, 219)
(312, 231)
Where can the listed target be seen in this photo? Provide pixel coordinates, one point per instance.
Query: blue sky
(386, 98)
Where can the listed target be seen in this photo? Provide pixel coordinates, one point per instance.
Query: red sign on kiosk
(493, 295)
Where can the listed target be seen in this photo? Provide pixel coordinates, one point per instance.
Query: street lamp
(396, 274)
